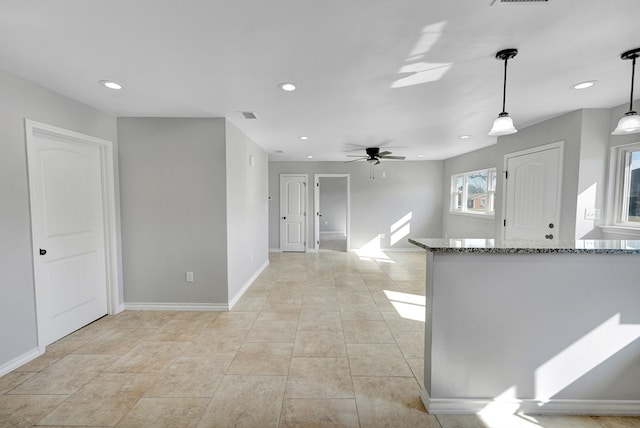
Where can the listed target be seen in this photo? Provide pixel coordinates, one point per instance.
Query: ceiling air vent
(248, 114)
(494, 2)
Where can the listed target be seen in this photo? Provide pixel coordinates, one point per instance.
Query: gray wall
(614, 141)
(174, 216)
(333, 204)
(592, 175)
(22, 99)
(409, 187)
(461, 225)
(247, 209)
(567, 128)
(585, 179)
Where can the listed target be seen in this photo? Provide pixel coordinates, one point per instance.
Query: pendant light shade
(503, 125)
(630, 122)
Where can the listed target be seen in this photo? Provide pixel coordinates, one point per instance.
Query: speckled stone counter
(532, 327)
(586, 246)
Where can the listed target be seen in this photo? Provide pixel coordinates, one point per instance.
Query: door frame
(33, 128)
(544, 147)
(316, 208)
(306, 209)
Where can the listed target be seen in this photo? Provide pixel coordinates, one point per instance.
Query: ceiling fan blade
(385, 153)
(394, 157)
(354, 160)
(377, 162)
(356, 156)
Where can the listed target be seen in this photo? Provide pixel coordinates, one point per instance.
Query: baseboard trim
(20, 361)
(274, 250)
(245, 287)
(149, 306)
(440, 406)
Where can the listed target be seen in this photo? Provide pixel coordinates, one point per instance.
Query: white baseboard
(461, 406)
(245, 287)
(149, 306)
(274, 250)
(20, 361)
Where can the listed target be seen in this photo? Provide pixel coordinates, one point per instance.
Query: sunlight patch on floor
(371, 252)
(408, 306)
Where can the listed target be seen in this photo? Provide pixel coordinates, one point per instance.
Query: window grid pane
(632, 192)
(474, 192)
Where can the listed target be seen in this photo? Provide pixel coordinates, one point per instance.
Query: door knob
(549, 236)
(550, 225)
(43, 252)
(284, 218)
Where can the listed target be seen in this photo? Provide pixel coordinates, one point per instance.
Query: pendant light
(630, 122)
(503, 125)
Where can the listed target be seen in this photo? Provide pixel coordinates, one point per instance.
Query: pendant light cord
(504, 86)
(633, 74)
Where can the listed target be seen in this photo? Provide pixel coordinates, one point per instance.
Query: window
(474, 192)
(627, 212)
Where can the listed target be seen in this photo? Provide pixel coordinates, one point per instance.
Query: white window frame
(621, 177)
(490, 206)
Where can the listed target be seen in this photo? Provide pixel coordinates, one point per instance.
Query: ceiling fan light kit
(373, 157)
(630, 122)
(503, 125)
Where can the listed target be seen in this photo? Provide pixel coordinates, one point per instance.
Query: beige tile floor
(317, 341)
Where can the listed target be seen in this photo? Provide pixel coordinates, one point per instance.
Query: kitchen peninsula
(532, 327)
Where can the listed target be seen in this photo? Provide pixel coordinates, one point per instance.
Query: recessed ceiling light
(309, 157)
(304, 138)
(464, 137)
(420, 156)
(111, 85)
(287, 86)
(584, 85)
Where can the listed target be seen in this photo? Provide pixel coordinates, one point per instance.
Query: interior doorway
(332, 211)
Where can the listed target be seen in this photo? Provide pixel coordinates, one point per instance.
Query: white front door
(293, 212)
(68, 227)
(532, 189)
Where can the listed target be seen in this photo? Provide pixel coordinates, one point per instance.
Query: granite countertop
(586, 246)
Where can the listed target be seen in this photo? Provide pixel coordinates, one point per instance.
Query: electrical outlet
(189, 277)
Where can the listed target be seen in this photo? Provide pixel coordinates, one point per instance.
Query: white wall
(247, 209)
(22, 99)
(333, 204)
(174, 216)
(410, 187)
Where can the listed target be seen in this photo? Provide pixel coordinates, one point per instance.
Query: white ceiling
(410, 74)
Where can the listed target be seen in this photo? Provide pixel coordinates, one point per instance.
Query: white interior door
(532, 184)
(68, 226)
(293, 212)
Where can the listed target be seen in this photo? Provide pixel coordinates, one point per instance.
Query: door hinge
(317, 184)
(318, 242)
(504, 223)
(506, 175)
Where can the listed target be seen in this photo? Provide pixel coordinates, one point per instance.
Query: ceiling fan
(374, 155)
